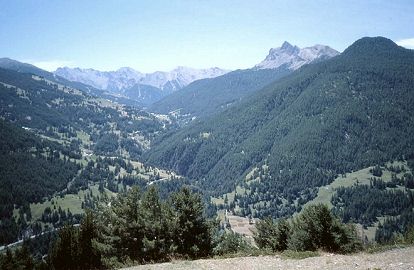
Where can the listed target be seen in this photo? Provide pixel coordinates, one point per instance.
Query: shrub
(409, 235)
(231, 243)
(272, 235)
(316, 228)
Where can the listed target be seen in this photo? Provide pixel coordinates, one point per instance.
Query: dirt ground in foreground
(393, 259)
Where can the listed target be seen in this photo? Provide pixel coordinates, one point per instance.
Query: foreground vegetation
(140, 228)
(64, 151)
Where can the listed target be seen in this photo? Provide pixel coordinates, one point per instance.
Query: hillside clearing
(391, 259)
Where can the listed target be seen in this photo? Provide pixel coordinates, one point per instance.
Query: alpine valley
(304, 126)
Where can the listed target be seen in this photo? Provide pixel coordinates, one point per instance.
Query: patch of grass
(84, 137)
(377, 248)
(252, 252)
(230, 196)
(73, 202)
(325, 193)
(361, 177)
(299, 255)
(70, 201)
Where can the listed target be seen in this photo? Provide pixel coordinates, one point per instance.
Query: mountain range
(261, 141)
(148, 88)
(210, 96)
(300, 131)
(127, 80)
(20, 67)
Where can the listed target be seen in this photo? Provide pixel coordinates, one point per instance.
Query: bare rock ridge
(294, 57)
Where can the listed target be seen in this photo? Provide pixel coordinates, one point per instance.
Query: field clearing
(73, 202)
(361, 177)
(230, 196)
(241, 225)
(84, 137)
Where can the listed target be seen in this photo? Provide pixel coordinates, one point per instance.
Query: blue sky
(160, 35)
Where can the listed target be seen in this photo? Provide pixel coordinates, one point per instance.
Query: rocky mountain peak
(292, 57)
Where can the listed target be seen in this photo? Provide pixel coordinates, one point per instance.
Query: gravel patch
(400, 259)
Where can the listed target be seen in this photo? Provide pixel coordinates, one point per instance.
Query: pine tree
(8, 262)
(23, 258)
(192, 235)
(155, 234)
(64, 254)
(89, 256)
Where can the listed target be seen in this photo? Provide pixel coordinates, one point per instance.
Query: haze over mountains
(123, 80)
(20, 67)
(324, 119)
(260, 142)
(206, 97)
(151, 87)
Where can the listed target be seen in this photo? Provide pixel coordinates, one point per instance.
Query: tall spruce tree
(64, 254)
(192, 234)
(89, 256)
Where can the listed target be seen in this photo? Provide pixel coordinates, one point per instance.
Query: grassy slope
(360, 177)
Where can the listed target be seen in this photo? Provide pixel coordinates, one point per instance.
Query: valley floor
(391, 259)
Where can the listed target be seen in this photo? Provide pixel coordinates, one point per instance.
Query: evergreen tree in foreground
(142, 228)
(192, 235)
(314, 228)
(76, 248)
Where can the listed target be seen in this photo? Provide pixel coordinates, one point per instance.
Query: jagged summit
(292, 57)
(286, 44)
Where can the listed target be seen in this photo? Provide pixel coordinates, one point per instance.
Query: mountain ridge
(126, 77)
(14, 65)
(305, 128)
(294, 57)
(207, 97)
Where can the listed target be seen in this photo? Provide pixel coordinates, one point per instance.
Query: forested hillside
(20, 67)
(60, 111)
(210, 96)
(349, 112)
(30, 169)
(62, 150)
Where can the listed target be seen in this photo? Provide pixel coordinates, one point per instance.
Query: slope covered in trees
(30, 169)
(58, 139)
(60, 111)
(348, 112)
(210, 96)
(20, 67)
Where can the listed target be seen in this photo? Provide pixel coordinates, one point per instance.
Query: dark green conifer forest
(89, 182)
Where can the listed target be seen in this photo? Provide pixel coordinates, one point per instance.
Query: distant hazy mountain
(11, 64)
(20, 67)
(293, 57)
(210, 96)
(124, 78)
